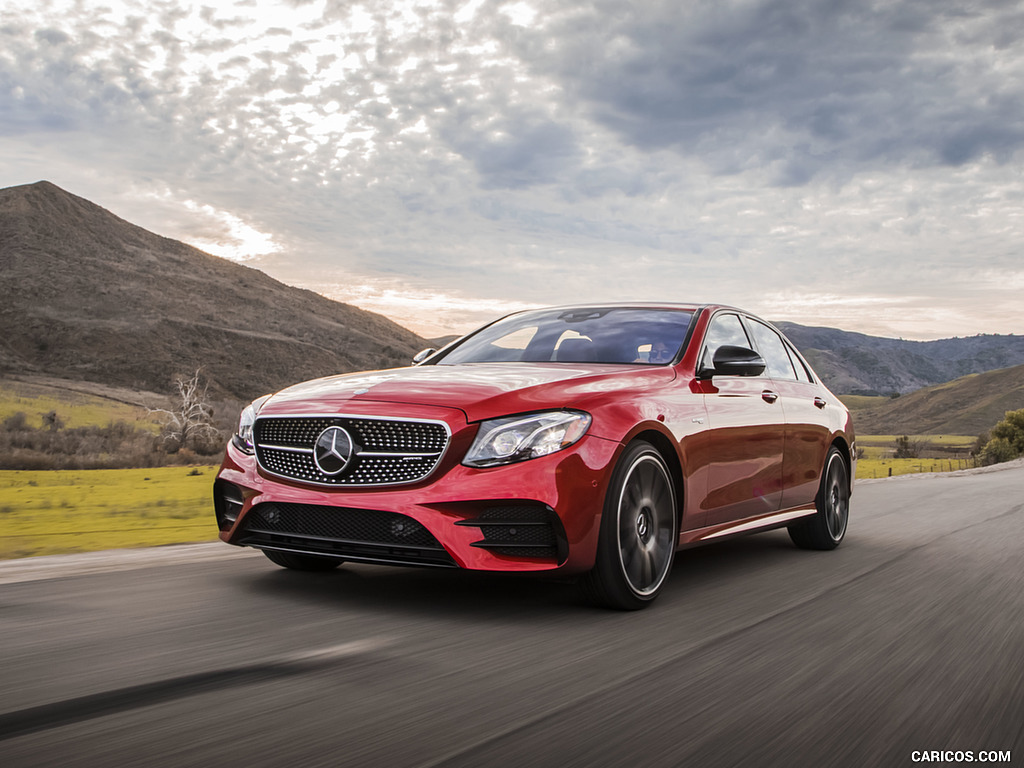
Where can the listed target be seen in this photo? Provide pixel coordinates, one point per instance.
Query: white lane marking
(333, 652)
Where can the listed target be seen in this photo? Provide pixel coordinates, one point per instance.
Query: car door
(807, 433)
(746, 433)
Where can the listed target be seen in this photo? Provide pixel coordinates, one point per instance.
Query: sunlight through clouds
(432, 314)
(239, 241)
(525, 152)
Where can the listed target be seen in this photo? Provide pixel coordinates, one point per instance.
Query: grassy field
(940, 453)
(74, 409)
(858, 402)
(54, 512)
(942, 442)
(874, 468)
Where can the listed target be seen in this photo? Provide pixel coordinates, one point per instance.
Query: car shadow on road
(487, 596)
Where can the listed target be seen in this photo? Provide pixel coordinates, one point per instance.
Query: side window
(723, 330)
(773, 350)
(802, 374)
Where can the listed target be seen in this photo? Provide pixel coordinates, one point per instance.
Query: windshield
(598, 335)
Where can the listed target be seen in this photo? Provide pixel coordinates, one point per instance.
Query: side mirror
(737, 361)
(423, 355)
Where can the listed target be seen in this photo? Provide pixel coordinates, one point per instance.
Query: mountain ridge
(968, 405)
(91, 296)
(855, 363)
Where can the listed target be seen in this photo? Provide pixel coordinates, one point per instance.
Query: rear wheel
(639, 532)
(826, 529)
(297, 562)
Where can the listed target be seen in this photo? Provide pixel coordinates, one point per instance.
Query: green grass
(946, 441)
(952, 453)
(55, 512)
(859, 402)
(869, 468)
(75, 409)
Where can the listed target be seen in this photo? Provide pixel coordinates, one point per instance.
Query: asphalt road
(909, 637)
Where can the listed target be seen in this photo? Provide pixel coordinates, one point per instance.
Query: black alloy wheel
(639, 532)
(826, 529)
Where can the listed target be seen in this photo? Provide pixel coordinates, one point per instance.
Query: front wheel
(639, 532)
(826, 529)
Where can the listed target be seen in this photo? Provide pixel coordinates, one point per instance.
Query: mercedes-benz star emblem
(333, 450)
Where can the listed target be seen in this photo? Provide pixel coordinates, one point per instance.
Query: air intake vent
(352, 534)
(520, 531)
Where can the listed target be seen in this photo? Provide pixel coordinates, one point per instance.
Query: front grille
(519, 531)
(353, 534)
(384, 451)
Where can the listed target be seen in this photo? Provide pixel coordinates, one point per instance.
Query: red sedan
(591, 440)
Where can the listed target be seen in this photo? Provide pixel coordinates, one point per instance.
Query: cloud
(516, 151)
(795, 88)
(505, 153)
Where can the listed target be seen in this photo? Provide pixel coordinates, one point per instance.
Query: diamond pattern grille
(386, 452)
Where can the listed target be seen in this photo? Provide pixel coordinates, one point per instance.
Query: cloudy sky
(846, 163)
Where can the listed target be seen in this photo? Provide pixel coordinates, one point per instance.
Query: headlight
(243, 436)
(518, 438)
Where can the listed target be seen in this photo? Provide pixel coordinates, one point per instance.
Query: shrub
(998, 450)
(16, 422)
(907, 448)
(1011, 429)
(1007, 441)
(52, 421)
(115, 446)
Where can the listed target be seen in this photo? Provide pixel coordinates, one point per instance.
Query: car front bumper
(537, 515)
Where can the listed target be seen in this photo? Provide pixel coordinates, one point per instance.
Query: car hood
(480, 390)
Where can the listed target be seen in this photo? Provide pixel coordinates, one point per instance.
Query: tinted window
(519, 339)
(723, 330)
(601, 335)
(802, 373)
(773, 350)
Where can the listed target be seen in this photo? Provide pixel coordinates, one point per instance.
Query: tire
(639, 532)
(297, 562)
(826, 529)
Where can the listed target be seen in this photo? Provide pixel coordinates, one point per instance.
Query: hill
(966, 406)
(89, 296)
(854, 363)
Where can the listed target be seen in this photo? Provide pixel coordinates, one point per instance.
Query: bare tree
(909, 449)
(190, 421)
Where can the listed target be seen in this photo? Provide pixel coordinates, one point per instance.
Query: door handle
(820, 402)
(769, 397)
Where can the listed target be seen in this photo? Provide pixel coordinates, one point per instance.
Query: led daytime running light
(518, 438)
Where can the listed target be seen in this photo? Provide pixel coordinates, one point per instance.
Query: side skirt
(693, 538)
